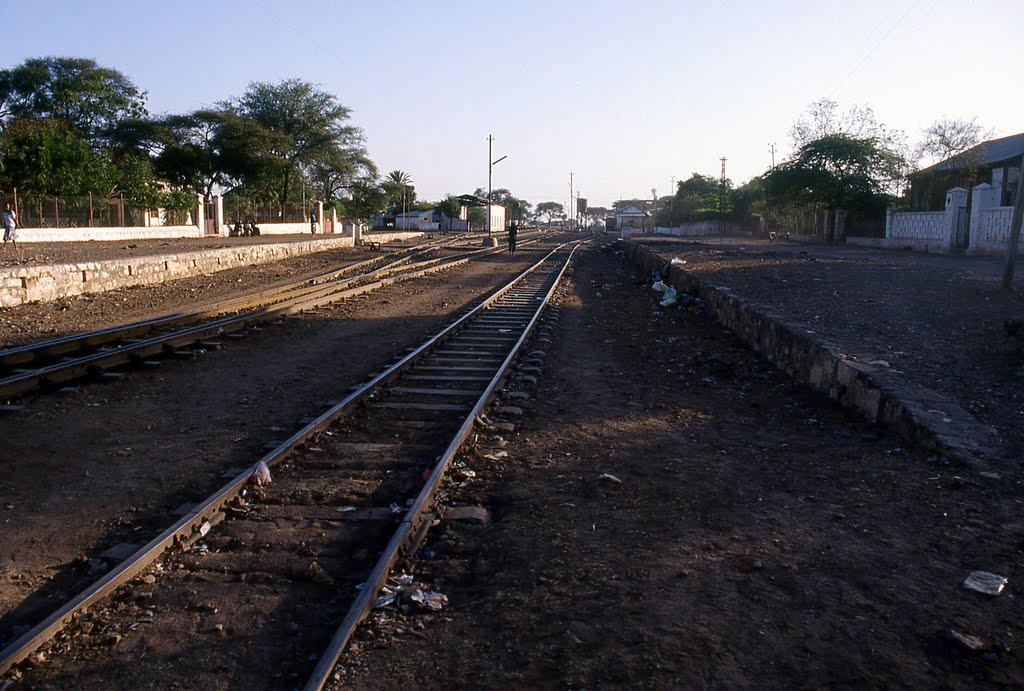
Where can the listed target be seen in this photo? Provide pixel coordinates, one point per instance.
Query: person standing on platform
(513, 231)
(10, 226)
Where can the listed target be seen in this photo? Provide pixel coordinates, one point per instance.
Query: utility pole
(1018, 216)
(488, 242)
(771, 147)
(721, 200)
(490, 142)
(569, 209)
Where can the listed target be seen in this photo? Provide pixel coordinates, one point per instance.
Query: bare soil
(113, 462)
(670, 511)
(674, 513)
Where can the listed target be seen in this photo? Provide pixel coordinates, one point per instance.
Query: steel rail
(197, 522)
(21, 355)
(417, 518)
(135, 348)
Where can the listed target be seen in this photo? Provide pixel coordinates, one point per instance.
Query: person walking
(312, 222)
(10, 226)
(513, 231)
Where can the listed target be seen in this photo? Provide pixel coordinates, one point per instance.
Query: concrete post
(956, 199)
(200, 214)
(840, 227)
(334, 220)
(320, 215)
(218, 212)
(889, 214)
(983, 198)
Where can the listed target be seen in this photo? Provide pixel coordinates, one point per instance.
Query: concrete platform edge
(923, 417)
(45, 282)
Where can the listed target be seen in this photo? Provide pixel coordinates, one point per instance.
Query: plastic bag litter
(670, 297)
(660, 286)
(985, 582)
(429, 599)
(261, 476)
(676, 261)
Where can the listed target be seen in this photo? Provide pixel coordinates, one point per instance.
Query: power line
(875, 47)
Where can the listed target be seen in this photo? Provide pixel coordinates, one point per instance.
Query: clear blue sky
(625, 95)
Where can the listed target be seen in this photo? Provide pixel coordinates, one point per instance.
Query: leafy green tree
(87, 98)
(550, 210)
(311, 124)
(44, 156)
(450, 207)
(515, 208)
(365, 199)
(838, 171)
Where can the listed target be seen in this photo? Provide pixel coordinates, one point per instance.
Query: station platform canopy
(472, 200)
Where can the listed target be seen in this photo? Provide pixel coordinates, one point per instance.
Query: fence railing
(261, 212)
(44, 211)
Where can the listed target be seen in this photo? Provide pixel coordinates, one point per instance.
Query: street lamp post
(488, 241)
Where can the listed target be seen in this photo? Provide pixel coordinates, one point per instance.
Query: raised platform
(44, 282)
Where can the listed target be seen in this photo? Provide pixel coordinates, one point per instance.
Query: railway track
(52, 364)
(248, 587)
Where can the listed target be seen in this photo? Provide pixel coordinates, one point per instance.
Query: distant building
(629, 220)
(996, 162)
(416, 220)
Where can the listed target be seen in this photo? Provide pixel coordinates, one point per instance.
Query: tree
(399, 191)
(337, 170)
(45, 156)
(551, 210)
(451, 208)
(87, 98)
(515, 208)
(311, 123)
(947, 137)
(838, 171)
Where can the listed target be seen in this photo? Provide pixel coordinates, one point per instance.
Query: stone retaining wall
(918, 414)
(41, 283)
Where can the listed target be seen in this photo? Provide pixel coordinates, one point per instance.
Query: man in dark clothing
(513, 231)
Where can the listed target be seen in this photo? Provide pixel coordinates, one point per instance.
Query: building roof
(984, 154)
(630, 211)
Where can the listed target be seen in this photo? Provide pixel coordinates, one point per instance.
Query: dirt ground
(936, 320)
(670, 511)
(751, 534)
(113, 462)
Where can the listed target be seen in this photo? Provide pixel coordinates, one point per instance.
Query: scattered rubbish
(670, 297)
(429, 599)
(660, 286)
(204, 528)
(676, 261)
(608, 477)
(395, 508)
(345, 509)
(386, 597)
(261, 476)
(316, 573)
(966, 641)
(404, 579)
(473, 515)
(985, 582)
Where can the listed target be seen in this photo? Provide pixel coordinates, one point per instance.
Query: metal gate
(210, 222)
(963, 232)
